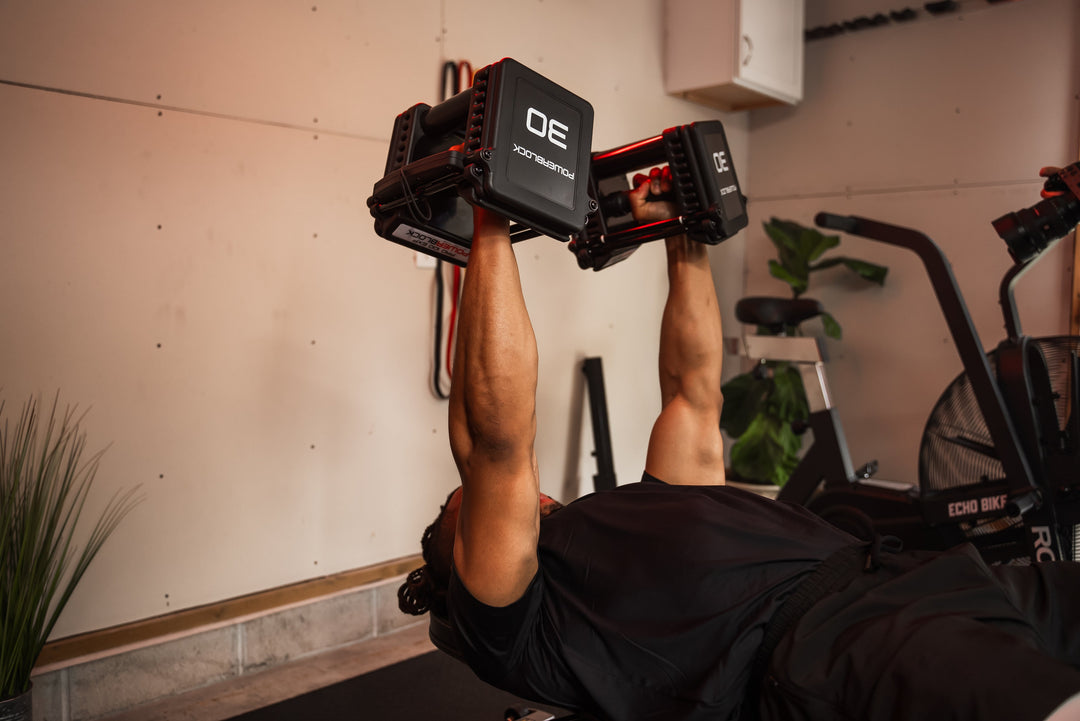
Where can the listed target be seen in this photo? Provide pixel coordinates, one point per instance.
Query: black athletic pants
(933, 636)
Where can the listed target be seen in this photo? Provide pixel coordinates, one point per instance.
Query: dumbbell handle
(448, 115)
(617, 204)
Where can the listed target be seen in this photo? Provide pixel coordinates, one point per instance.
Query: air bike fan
(515, 143)
(1040, 382)
(957, 451)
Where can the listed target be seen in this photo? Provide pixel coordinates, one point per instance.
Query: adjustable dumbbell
(705, 190)
(515, 143)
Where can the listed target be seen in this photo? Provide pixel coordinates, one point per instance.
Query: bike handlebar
(991, 402)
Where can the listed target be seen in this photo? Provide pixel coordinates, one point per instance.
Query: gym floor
(398, 677)
(231, 698)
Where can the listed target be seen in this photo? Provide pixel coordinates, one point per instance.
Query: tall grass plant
(44, 485)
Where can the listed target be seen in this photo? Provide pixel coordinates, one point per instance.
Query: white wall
(940, 125)
(188, 253)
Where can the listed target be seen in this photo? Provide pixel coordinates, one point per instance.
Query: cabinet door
(700, 48)
(771, 47)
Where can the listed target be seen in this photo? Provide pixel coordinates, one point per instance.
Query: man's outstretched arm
(493, 422)
(686, 447)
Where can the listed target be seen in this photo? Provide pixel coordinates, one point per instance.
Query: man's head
(425, 588)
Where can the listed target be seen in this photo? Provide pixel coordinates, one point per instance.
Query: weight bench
(443, 637)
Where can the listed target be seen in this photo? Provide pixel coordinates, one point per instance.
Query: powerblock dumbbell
(515, 143)
(705, 190)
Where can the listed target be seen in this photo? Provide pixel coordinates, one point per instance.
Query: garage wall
(940, 124)
(187, 253)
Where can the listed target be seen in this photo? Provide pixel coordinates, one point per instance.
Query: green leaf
(767, 449)
(786, 237)
(798, 283)
(782, 233)
(870, 271)
(44, 485)
(797, 246)
(744, 397)
(815, 243)
(767, 452)
(832, 328)
(788, 400)
(830, 263)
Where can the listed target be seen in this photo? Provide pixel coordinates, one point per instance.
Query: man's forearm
(494, 376)
(691, 337)
(493, 423)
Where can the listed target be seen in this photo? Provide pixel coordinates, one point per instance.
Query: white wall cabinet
(734, 54)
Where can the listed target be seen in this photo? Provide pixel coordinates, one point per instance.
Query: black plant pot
(17, 708)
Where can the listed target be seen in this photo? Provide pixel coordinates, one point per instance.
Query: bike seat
(776, 314)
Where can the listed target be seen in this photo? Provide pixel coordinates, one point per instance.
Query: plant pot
(762, 489)
(17, 708)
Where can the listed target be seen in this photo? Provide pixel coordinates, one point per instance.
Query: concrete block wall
(134, 677)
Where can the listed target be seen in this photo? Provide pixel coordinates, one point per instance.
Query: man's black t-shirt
(650, 602)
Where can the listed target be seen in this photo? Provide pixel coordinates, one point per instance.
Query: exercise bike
(999, 461)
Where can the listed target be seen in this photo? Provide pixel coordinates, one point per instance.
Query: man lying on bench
(680, 598)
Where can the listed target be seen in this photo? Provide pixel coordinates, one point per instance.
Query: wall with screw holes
(939, 124)
(186, 251)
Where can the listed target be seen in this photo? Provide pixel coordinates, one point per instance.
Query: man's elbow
(503, 439)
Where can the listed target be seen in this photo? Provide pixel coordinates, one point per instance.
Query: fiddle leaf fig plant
(44, 485)
(761, 410)
(765, 409)
(799, 250)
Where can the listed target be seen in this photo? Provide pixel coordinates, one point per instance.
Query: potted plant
(44, 485)
(765, 409)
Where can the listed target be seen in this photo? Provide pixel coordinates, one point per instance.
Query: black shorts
(933, 636)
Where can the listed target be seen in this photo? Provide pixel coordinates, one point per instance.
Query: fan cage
(957, 450)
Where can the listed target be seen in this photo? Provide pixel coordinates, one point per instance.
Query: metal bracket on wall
(903, 15)
(605, 464)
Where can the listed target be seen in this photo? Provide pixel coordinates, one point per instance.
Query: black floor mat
(431, 686)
